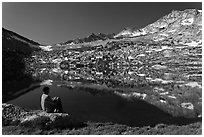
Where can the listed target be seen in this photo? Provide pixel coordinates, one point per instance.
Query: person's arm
(49, 100)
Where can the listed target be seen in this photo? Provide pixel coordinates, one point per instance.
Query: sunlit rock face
(178, 27)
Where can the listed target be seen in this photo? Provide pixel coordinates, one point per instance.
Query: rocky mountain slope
(179, 27)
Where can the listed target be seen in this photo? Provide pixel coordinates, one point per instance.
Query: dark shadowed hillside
(12, 41)
(15, 49)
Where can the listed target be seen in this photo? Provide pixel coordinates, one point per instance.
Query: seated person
(50, 105)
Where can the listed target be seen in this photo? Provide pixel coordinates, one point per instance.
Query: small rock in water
(200, 115)
(142, 96)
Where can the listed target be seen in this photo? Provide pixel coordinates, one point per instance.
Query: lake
(107, 107)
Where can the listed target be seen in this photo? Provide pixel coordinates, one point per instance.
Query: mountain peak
(177, 26)
(90, 38)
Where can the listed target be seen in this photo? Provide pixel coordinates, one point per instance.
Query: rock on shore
(14, 115)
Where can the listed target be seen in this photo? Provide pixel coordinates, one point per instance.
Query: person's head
(46, 90)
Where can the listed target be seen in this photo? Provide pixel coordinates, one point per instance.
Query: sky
(51, 23)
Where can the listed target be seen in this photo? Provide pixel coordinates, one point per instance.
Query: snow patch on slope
(159, 39)
(193, 84)
(163, 34)
(123, 33)
(139, 33)
(130, 33)
(46, 48)
(72, 43)
(160, 80)
(193, 44)
(187, 21)
(172, 30)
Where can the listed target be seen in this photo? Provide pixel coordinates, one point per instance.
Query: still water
(106, 107)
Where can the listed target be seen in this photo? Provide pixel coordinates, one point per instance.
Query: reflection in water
(15, 81)
(101, 107)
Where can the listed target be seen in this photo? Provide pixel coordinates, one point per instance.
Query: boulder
(11, 114)
(14, 115)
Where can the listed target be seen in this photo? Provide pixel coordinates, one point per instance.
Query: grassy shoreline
(109, 129)
(92, 128)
